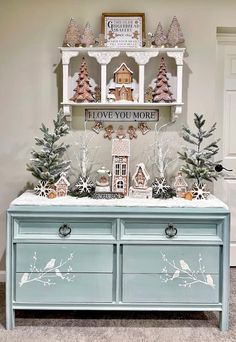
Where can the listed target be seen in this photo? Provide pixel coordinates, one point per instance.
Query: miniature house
(121, 86)
(120, 165)
(140, 187)
(140, 177)
(180, 185)
(62, 186)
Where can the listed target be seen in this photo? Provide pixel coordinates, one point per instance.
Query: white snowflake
(42, 188)
(160, 186)
(200, 191)
(84, 185)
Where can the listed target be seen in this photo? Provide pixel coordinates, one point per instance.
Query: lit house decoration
(62, 185)
(122, 85)
(180, 185)
(140, 180)
(120, 165)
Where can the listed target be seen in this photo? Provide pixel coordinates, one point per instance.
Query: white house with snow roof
(122, 85)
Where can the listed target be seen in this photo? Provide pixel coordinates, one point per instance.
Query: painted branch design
(185, 274)
(51, 270)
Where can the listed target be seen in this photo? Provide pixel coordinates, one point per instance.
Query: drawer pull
(64, 230)
(170, 231)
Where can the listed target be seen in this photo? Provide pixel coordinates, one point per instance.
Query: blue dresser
(90, 255)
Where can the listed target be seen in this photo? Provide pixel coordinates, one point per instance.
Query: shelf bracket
(103, 58)
(66, 57)
(67, 110)
(175, 111)
(178, 56)
(142, 58)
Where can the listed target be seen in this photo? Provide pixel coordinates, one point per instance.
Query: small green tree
(47, 164)
(198, 160)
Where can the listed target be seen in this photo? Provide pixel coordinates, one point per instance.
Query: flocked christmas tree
(72, 35)
(161, 92)
(175, 34)
(47, 163)
(198, 159)
(83, 91)
(159, 36)
(87, 38)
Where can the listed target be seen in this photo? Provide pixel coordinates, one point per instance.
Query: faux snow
(29, 198)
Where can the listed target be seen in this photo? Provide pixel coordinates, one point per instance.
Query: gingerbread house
(120, 165)
(140, 177)
(140, 187)
(122, 87)
(61, 186)
(180, 185)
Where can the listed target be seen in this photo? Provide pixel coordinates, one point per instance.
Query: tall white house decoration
(120, 165)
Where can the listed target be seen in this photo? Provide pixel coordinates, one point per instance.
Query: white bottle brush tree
(199, 164)
(47, 163)
(162, 156)
(84, 162)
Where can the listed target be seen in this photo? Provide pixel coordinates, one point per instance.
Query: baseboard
(2, 276)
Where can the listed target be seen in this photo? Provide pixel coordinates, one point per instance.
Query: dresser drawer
(149, 229)
(184, 274)
(151, 288)
(159, 259)
(63, 258)
(46, 228)
(64, 288)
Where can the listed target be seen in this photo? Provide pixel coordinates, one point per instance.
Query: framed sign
(123, 30)
(142, 115)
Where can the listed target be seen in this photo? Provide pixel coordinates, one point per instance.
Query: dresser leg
(10, 319)
(224, 322)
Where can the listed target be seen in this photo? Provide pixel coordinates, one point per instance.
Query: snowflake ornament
(42, 188)
(84, 185)
(200, 191)
(160, 187)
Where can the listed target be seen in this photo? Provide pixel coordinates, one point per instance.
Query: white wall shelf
(104, 56)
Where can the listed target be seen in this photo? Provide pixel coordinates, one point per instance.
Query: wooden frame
(129, 38)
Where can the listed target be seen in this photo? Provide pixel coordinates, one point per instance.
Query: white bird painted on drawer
(50, 264)
(210, 280)
(184, 265)
(58, 273)
(176, 274)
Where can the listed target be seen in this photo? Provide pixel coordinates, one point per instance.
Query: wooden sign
(143, 115)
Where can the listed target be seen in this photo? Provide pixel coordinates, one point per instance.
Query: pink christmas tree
(159, 36)
(175, 35)
(72, 35)
(161, 92)
(87, 38)
(83, 91)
